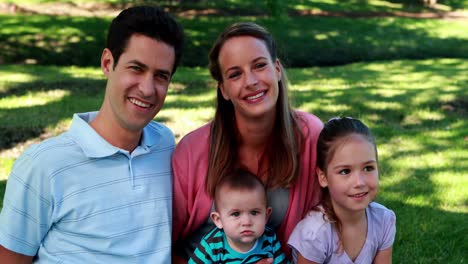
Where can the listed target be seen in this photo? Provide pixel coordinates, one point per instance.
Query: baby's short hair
(240, 179)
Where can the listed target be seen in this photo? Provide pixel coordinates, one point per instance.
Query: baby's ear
(322, 178)
(268, 213)
(216, 219)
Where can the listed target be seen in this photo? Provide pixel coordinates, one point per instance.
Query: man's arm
(8, 256)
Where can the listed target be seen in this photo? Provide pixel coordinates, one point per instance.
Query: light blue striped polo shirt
(75, 198)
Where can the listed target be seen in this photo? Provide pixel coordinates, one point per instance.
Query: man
(101, 192)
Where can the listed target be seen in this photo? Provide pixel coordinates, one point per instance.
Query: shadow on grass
(2, 191)
(302, 41)
(81, 94)
(428, 234)
(394, 112)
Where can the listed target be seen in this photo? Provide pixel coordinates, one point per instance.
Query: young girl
(347, 226)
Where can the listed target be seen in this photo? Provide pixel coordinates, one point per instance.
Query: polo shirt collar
(93, 145)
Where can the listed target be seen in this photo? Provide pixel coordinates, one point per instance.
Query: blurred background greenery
(399, 65)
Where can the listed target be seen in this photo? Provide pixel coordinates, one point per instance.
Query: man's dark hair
(149, 21)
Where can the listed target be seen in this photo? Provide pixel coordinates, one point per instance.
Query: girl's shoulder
(379, 212)
(314, 225)
(383, 220)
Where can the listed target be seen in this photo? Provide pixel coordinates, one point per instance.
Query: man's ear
(107, 62)
(216, 219)
(322, 178)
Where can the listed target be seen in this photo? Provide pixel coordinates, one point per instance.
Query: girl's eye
(369, 168)
(254, 212)
(344, 171)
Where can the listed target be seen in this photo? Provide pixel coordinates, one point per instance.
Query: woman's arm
(384, 256)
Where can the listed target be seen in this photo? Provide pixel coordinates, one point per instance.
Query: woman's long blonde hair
(285, 142)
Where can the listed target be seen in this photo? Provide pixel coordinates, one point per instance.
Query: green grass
(303, 41)
(259, 6)
(417, 110)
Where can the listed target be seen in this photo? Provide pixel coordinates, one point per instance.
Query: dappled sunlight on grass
(329, 107)
(5, 167)
(419, 123)
(383, 105)
(21, 74)
(452, 190)
(33, 99)
(182, 121)
(417, 118)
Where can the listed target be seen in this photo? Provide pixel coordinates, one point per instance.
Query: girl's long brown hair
(333, 132)
(285, 142)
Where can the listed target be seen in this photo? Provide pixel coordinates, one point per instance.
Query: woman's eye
(233, 75)
(369, 168)
(260, 65)
(344, 171)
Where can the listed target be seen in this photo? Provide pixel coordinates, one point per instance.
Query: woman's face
(249, 77)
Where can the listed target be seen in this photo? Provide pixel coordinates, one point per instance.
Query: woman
(254, 128)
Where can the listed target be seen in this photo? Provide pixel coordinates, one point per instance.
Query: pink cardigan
(191, 203)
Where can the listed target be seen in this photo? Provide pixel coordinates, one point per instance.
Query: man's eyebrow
(144, 66)
(165, 72)
(139, 63)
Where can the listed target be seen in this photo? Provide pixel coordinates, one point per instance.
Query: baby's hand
(265, 261)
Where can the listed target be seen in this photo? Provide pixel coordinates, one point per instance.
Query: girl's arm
(384, 256)
(302, 260)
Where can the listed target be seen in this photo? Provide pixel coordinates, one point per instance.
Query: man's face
(137, 85)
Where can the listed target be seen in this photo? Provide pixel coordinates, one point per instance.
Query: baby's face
(243, 215)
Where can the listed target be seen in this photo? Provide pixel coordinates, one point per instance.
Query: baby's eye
(369, 168)
(235, 214)
(254, 212)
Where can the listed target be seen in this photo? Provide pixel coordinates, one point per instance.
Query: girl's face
(352, 175)
(250, 77)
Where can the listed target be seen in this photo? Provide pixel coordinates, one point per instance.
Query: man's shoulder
(155, 127)
(50, 147)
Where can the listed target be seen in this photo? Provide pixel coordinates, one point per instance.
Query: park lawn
(249, 6)
(417, 109)
(304, 40)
